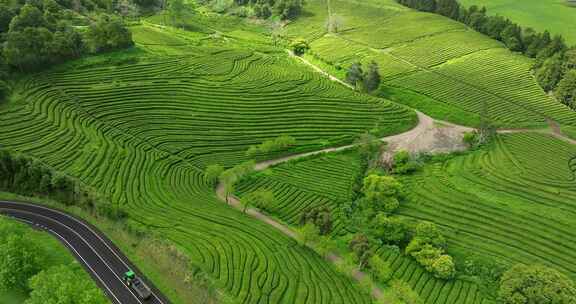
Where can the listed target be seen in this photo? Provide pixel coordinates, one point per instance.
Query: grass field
(432, 56)
(328, 180)
(141, 129)
(513, 201)
(552, 15)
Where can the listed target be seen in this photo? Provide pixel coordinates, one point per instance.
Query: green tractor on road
(141, 289)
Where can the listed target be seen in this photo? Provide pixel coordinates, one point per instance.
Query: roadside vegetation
(35, 268)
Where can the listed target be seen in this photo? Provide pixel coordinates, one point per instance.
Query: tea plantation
(141, 130)
(512, 201)
(433, 56)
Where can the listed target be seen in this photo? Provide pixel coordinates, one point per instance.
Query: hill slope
(454, 66)
(141, 129)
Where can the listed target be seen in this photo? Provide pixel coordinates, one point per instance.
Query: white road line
(89, 245)
(93, 232)
(80, 256)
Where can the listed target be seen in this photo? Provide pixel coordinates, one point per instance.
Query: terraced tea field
(142, 131)
(433, 56)
(324, 181)
(328, 180)
(513, 201)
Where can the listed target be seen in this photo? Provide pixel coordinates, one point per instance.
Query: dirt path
(414, 140)
(429, 135)
(233, 201)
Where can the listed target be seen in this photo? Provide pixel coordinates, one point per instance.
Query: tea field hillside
(512, 201)
(329, 181)
(556, 16)
(461, 73)
(140, 127)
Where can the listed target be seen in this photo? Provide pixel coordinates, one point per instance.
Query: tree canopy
(526, 284)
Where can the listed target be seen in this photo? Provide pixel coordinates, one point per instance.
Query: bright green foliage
(380, 268)
(390, 230)
(212, 173)
(19, 261)
(309, 233)
(28, 255)
(402, 293)
(299, 46)
(416, 52)
(443, 267)
(108, 33)
(261, 199)
(142, 134)
(404, 164)
(427, 286)
(511, 200)
(566, 90)
(525, 284)
(382, 192)
(280, 143)
(309, 186)
(64, 285)
(427, 247)
(180, 9)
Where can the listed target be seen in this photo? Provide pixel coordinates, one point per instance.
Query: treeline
(40, 33)
(555, 62)
(264, 9)
(29, 177)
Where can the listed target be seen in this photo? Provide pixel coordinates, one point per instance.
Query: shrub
(300, 46)
(536, 284)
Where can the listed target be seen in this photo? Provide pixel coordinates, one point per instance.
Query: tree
(29, 16)
(300, 46)
(108, 33)
(20, 259)
(6, 15)
(390, 230)
(308, 233)
(443, 267)
(324, 245)
(28, 49)
(380, 269)
(228, 178)
(360, 245)
(288, 9)
(369, 148)
(402, 293)
(212, 173)
(262, 199)
(372, 77)
(320, 216)
(526, 284)
(178, 9)
(566, 90)
(355, 75)
(382, 192)
(549, 73)
(65, 285)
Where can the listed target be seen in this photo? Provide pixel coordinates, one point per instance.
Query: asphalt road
(99, 256)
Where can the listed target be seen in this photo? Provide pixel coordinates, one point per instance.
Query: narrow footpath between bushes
(429, 135)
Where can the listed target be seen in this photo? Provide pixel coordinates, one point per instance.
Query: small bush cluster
(280, 143)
